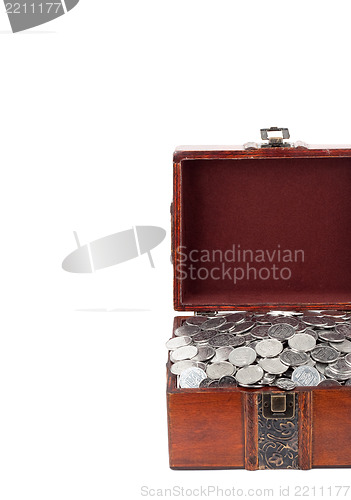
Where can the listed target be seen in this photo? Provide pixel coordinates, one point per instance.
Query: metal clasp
(275, 140)
(279, 405)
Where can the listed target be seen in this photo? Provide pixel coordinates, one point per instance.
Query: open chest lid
(262, 226)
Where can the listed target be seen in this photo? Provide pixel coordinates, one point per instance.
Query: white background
(92, 106)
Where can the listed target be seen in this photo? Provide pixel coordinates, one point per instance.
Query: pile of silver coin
(282, 349)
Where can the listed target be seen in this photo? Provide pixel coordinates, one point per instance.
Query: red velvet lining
(297, 203)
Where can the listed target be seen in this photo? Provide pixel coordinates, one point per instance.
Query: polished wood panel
(205, 429)
(331, 436)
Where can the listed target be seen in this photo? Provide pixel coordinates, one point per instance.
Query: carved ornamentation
(278, 444)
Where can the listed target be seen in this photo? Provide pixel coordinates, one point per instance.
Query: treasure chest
(261, 251)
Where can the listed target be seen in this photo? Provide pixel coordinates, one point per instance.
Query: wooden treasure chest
(261, 252)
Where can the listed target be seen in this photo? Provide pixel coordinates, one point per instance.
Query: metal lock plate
(278, 405)
(278, 430)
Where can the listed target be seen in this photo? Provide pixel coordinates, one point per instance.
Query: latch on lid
(275, 139)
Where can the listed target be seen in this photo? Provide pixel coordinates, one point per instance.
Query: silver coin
(329, 322)
(331, 336)
(252, 386)
(272, 365)
(182, 353)
(311, 332)
(238, 341)
(286, 321)
(247, 337)
(171, 357)
(249, 375)
(242, 356)
(340, 321)
(285, 313)
(344, 329)
(235, 317)
(214, 383)
(206, 382)
(219, 370)
(341, 366)
(285, 383)
(178, 367)
(226, 339)
(324, 354)
(260, 331)
(222, 354)
(302, 342)
(226, 327)
(306, 376)
(253, 344)
(269, 348)
(310, 362)
(281, 331)
(213, 323)
(267, 379)
(227, 381)
(293, 358)
(318, 321)
(313, 313)
(205, 353)
(204, 336)
(302, 328)
(321, 367)
(336, 375)
(186, 330)
(348, 359)
(243, 327)
(200, 364)
(333, 313)
(196, 320)
(344, 346)
(264, 319)
(191, 378)
(176, 342)
(278, 316)
(328, 383)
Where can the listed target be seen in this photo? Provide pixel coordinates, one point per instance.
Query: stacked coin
(282, 349)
